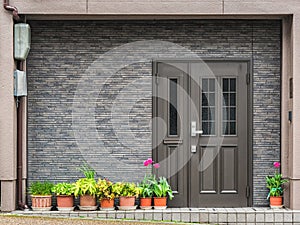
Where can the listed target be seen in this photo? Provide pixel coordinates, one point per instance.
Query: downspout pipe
(11, 8)
(21, 205)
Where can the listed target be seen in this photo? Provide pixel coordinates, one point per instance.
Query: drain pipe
(20, 104)
(11, 8)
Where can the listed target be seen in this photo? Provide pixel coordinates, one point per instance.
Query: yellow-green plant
(64, 188)
(85, 186)
(125, 189)
(105, 189)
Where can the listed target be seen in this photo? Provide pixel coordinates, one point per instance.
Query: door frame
(249, 79)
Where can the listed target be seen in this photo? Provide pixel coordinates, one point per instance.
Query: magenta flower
(148, 162)
(276, 164)
(156, 165)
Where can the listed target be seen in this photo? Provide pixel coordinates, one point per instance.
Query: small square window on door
(229, 106)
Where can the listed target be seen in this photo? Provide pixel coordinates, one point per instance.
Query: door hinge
(248, 191)
(248, 78)
(156, 78)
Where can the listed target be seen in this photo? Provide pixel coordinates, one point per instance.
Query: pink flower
(148, 162)
(276, 164)
(156, 165)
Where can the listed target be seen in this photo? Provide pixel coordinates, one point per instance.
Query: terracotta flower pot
(127, 201)
(276, 201)
(88, 200)
(107, 203)
(65, 201)
(146, 203)
(160, 203)
(41, 201)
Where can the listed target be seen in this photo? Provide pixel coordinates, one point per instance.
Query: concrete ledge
(186, 215)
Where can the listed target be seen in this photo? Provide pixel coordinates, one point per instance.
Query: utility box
(20, 83)
(22, 41)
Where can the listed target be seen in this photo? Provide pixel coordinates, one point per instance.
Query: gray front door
(208, 168)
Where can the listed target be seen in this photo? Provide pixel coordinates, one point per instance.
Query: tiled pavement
(236, 216)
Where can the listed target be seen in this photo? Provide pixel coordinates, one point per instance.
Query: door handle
(194, 131)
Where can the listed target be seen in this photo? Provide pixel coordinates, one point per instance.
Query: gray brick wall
(62, 53)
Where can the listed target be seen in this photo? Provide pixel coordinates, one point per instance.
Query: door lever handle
(194, 132)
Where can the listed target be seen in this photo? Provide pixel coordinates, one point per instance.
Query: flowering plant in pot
(127, 192)
(146, 192)
(64, 195)
(41, 195)
(147, 185)
(274, 184)
(105, 194)
(162, 190)
(86, 188)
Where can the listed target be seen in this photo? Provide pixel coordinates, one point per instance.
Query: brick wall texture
(75, 112)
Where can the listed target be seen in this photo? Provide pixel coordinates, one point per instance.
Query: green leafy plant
(125, 189)
(85, 186)
(117, 188)
(274, 183)
(88, 171)
(64, 188)
(161, 188)
(105, 189)
(146, 186)
(40, 188)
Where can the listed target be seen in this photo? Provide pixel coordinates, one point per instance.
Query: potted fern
(105, 194)
(64, 195)
(86, 189)
(41, 195)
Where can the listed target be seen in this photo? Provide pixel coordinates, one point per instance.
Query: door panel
(229, 168)
(208, 179)
(213, 173)
(171, 81)
(222, 104)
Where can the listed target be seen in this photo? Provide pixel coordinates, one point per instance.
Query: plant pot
(41, 202)
(146, 203)
(276, 201)
(65, 201)
(127, 203)
(160, 202)
(87, 202)
(107, 204)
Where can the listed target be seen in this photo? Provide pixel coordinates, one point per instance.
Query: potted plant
(146, 192)
(127, 192)
(161, 190)
(41, 195)
(86, 188)
(64, 195)
(105, 194)
(274, 184)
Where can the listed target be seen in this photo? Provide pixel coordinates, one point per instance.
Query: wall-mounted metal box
(22, 40)
(20, 83)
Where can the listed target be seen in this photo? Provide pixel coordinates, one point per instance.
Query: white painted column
(295, 153)
(7, 114)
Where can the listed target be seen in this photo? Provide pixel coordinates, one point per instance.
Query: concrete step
(250, 215)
